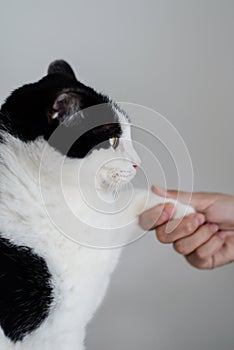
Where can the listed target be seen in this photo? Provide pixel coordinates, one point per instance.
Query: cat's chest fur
(79, 274)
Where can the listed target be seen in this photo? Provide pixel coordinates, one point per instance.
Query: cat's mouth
(114, 174)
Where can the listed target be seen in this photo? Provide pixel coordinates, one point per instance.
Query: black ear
(66, 105)
(61, 67)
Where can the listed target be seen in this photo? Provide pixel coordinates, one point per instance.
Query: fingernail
(168, 211)
(200, 219)
(214, 228)
(161, 191)
(165, 214)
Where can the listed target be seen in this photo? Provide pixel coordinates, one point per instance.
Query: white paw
(182, 210)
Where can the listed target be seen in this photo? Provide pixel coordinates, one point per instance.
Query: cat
(52, 277)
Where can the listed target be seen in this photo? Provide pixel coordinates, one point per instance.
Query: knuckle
(198, 263)
(200, 254)
(189, 227)
(179, 247)
(208, 267)
(203, 266)
(161, 235)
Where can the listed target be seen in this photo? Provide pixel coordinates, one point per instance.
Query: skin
(206, 238)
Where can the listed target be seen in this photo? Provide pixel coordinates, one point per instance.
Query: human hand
(205, 238)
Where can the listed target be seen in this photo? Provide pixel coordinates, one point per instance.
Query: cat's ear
(61, 67)
(66, 105)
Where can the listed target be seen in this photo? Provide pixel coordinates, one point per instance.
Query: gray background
(176, 57)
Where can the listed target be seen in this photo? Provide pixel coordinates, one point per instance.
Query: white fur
(30, 208)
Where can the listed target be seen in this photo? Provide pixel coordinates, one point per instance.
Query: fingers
(199, 201)
(225, 255)
(156, 216)
(198, 242)
(210, 247)
(189, 244)
(201, 243)
(184, 197)
(176, 229)
(204, 256)
(159, 191)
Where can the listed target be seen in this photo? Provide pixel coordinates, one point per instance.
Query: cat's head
(75, 120)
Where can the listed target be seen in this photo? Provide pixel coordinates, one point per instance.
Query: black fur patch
(28, 113)
(25, 290)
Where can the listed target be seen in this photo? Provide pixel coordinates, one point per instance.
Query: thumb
(197, 200)
(156, 216)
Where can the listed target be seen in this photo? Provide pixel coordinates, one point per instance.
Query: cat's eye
(114, 141)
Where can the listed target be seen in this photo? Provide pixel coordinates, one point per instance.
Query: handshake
(205, 238)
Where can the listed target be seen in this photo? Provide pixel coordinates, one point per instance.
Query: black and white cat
(50, 285)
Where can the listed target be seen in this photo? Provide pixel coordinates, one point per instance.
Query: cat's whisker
(116, 189)
(112, 186)
(118, 186)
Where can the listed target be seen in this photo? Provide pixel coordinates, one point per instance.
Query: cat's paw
(181, 209)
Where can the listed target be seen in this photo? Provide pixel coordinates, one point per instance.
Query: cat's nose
(135, 166)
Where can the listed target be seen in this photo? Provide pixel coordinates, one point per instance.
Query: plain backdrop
(176, 57)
